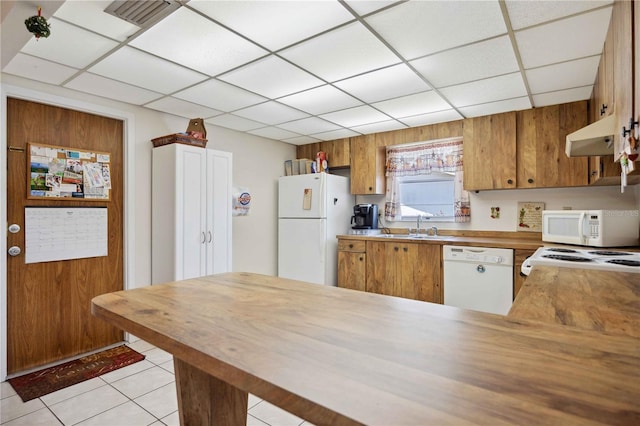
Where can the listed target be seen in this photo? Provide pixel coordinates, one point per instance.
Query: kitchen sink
(413, 237)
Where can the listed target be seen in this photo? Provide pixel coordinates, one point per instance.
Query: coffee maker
(365, 216)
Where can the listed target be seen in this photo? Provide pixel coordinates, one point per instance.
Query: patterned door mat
(51, 379)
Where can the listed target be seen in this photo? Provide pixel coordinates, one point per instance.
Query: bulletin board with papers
(68, 173)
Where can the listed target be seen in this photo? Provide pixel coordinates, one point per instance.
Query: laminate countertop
(512, 243)
(337, 356)
(584, 298)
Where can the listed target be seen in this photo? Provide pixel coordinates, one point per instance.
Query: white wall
(597, 197)
(257, 163)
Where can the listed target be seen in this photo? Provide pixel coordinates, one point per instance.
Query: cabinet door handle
(360, 259)
(530, 180)
(509, 181)
(405, 249)
(395, 249)
(350, 246)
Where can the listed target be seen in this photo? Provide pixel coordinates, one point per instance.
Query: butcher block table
(337, 356)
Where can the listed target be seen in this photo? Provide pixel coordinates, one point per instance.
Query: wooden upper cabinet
(490, 152)
(367, 165)
(622, 24)
(338, 152)
(540, 154)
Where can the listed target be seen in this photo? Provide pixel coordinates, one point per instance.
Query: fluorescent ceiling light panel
(202, 44)
(489, 58)
(69, 45)
(413, 104)
(275, 24)
(562, 96)
(355, 116)
(498, 107)
(320, 100)
(387, 83)
(38, 69)
(112, 89)
(309, 125)
(141, 69)
(581, 72)
(182, 108)
(564, 40)
(234, 122)
(91, 15)
(272, 77)
(432, 118)
(419, 28)
(526, 13)
(271, 113)
(488, 90)
(341, 53)
(220, 95)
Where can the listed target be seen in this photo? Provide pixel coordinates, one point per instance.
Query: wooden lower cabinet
(404, 269)
(352, 264)
(519, 256)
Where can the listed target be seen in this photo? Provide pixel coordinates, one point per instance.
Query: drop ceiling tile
(489, 108)
(273, 133)
(300, 140)
(355, 116)
(234, 122)
(271, 113)
(432, 118)
(182, 108)
(564, 40)
(275, 24)
(38, 69)
(526, 13)
(363, 7)
(419, 28)
(335, 134)
(112, 89)
(272, 77)
(382, 126)
(562, 96)
(135, 67)
(69, 45)
(391, 82)
(489, 58)
(202, 44)
(341, 53)
(91, 15)
(413, 104)
(309, 125)
(320, 100)
(220, 95)
(566, 75)
(483, 91)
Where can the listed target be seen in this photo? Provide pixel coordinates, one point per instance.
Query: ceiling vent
(142, 13)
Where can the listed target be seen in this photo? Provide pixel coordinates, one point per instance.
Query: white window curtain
(422, 159)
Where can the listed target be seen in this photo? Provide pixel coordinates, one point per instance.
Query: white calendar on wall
(62, 233)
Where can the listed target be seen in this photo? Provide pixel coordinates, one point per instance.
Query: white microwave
(595, 228)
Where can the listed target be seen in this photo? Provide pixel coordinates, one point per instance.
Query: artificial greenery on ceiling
(38, 25)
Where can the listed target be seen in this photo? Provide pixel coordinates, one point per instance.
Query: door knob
(14, 251)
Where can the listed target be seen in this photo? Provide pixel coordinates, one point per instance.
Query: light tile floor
(141, 394)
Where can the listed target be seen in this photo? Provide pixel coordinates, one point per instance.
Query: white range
(588, 258)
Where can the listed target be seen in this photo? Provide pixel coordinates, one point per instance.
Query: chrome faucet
(434, 231)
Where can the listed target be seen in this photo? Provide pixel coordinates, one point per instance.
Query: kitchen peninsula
(338, 356)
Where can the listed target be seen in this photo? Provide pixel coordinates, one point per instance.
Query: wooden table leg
(206, 400)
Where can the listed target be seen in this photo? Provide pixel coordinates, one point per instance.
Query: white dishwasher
(478, 278)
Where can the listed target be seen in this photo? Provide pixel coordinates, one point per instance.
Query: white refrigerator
(312, 210)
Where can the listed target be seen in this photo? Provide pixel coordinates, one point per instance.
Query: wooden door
(367, 165)
(381, 267)
(352, 264)
(48, 304)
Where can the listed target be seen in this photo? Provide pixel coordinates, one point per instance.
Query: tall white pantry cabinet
(191, 212)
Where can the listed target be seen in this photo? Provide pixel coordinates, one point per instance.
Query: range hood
(594, 139)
